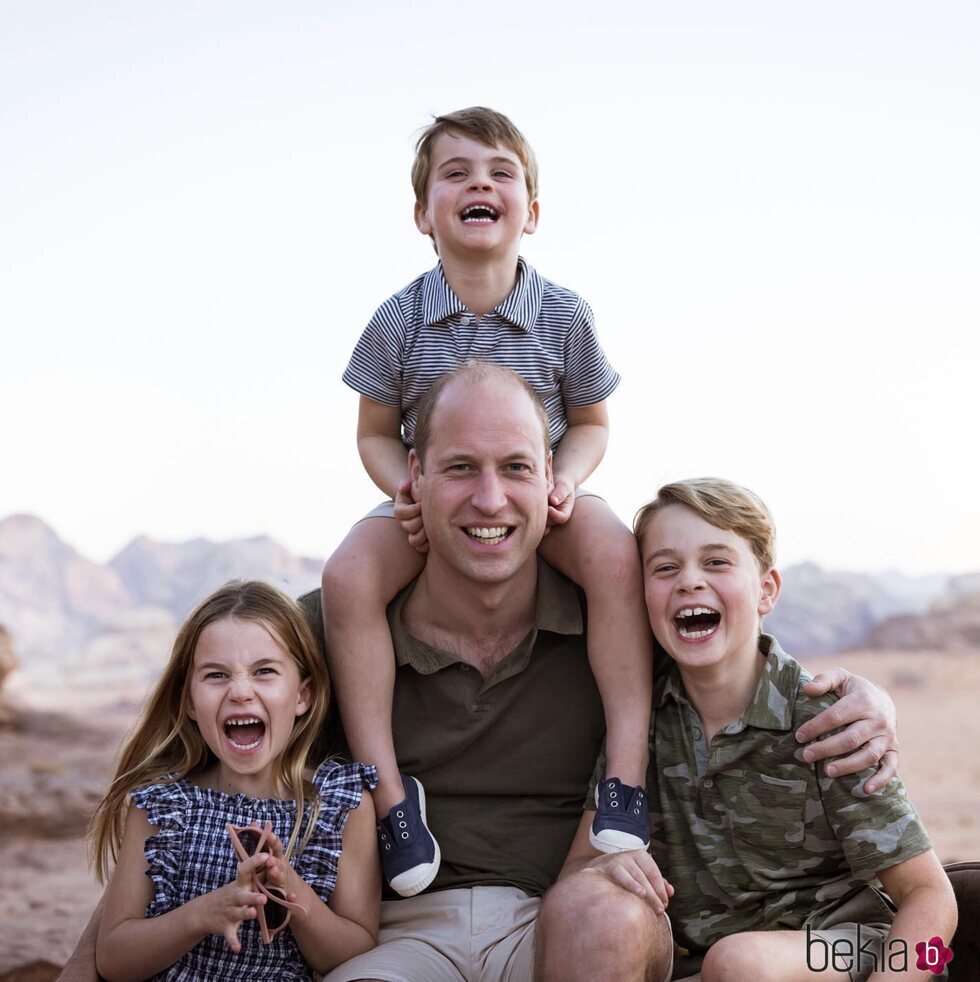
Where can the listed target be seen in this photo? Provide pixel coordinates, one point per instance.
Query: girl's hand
(408, 512)
(223, 910)
(278, 871)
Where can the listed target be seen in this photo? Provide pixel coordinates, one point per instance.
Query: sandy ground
(53, 769)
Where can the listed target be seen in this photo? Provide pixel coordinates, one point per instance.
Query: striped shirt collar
(520, 307)
(771, 707)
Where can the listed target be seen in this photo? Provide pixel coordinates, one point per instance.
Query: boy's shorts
(862, 920)
(387, 508)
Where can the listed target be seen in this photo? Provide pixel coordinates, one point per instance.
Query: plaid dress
(191, 854)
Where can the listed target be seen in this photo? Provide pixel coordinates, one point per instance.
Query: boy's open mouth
(477, 214)
(245, 733)
(697, 622)
(489, 536)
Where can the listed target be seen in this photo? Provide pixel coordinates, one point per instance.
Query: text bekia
(849, 954)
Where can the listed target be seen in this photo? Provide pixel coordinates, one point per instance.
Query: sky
(772, 208)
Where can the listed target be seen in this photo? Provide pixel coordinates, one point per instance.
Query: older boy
(475, 181)
(772, 863)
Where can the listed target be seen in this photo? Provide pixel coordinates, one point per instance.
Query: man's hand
(870, 737)
(561, 501)
(408, 512)
(636, 872)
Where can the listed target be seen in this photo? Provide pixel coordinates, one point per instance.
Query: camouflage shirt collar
(771, 707)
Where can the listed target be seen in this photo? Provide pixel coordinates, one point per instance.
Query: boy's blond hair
(721, 503)
(488, 127)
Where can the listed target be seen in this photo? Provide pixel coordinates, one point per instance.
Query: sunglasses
(273, 916)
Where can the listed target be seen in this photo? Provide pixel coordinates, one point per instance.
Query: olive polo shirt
(750, 835)
(504, 760)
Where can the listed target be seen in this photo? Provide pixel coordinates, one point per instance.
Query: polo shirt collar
(520, 307)
(558, 610)
(771, 707)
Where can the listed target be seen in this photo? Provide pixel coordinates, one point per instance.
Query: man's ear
(414, 471)
(549, 472)
(772, 583)
(532, 218)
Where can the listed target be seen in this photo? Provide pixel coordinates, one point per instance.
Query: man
(497, 712)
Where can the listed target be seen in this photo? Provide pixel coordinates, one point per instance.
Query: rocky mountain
(176, 576)
(90, 632)
(952, 622)
(820, 611)
(95, 631)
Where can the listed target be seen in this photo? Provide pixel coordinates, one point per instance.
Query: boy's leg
(795, 956)
(360, 579)
(599, 553)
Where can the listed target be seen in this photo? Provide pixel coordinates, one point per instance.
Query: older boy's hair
(488, 127)
(473, 370)
(721, 503)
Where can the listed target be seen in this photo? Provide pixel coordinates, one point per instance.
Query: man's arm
(870, 736)
(81, 964)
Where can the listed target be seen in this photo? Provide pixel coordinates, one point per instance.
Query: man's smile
(489, 536)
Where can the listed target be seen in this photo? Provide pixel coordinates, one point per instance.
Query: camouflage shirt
(750, 835)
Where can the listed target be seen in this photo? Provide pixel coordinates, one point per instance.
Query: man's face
(484, 489)
(476, 201)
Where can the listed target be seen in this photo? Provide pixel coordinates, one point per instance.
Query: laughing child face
(245, 695)
(476, 200)
(705, 590)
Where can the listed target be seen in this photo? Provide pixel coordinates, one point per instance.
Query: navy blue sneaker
(622, 818)
(409, 854)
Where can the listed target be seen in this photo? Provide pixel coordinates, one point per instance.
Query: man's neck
(481, 286)
(722, 693)
(480, 623)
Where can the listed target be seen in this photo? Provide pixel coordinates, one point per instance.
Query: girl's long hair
(165, 743)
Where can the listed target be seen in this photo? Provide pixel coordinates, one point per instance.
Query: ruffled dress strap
(166, 808)
(340, 787)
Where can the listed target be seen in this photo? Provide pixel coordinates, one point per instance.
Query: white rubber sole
(416, 879)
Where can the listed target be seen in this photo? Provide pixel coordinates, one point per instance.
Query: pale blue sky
(772, 208)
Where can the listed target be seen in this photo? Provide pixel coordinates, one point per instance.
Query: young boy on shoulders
(476, 189)
(776, 870)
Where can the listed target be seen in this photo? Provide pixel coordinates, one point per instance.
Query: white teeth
(492, 217)
(694, 611)
(250, 721)
(685, 633)
(490, 536)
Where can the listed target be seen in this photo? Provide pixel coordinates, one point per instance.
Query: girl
(214, 773)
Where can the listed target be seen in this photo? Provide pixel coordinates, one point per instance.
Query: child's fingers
(412, 526)
(249, 867)
(231, 936)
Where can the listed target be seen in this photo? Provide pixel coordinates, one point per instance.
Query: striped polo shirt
(542, 331)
